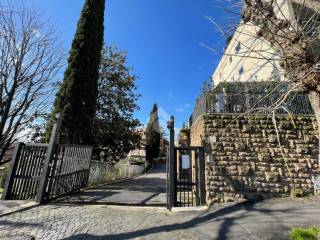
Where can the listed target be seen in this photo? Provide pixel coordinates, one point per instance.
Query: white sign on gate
(185, 159)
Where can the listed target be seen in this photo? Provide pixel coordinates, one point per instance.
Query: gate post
(201, 177)
(12, 171)
(171, 167)
(49, 156)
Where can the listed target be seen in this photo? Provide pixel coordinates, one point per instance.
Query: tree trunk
(314, 98)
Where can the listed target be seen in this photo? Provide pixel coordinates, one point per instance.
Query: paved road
(148, 189)
(270, 219)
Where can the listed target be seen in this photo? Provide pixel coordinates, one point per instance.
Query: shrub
(312, 233)
(137, 161)
(3, 176)
(299, 193)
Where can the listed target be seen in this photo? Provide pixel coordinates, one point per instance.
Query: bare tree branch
(30, 58)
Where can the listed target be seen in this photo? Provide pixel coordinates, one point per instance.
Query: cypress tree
(153, 135)
(76, 99)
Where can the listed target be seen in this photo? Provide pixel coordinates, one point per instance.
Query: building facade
(249, 58)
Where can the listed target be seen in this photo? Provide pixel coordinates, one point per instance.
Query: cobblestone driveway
(265, 220)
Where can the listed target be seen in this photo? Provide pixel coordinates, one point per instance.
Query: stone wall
(197, 132)
(244, 159)
(101, 172)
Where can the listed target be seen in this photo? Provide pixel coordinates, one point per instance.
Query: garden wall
(244, 160)
(197, 132)
(101, 172)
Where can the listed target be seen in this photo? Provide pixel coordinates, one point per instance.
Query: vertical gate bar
(180, 179)
(188, 178)
(80, 175)
(33, 172)
(175, 180)
(40, 168)
(201, 162)
(58, 185)
(75, 165)
(183, 203)
(28, 176)
(196, 162)
(59, 157)
(24, 172)
(53, 171)
(63, 169)
(13, 167)
(185, 182)
(29, 183)
(186, 189)
(167, 178)
(70, 167)
(172, 174)
(66, 166)
(19, 171)
(83, 176)
(87, 156)
(50, 154)
(190, 181)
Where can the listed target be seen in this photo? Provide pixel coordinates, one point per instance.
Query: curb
(20, 208)
(189, 209)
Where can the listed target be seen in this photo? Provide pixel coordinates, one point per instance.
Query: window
(241, 71)
(230, 59)
(238, 47)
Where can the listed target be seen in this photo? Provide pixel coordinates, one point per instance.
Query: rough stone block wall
(196, 135)
(196, 132)
(244, 159)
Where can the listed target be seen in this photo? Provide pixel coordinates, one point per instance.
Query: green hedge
(312, 233)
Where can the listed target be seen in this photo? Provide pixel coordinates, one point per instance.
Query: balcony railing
(253, 103)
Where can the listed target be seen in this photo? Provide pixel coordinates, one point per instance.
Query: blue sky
(163, 39)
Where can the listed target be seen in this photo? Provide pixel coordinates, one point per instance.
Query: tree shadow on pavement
(219, 216)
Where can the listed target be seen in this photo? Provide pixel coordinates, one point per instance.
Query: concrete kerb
(190, 209)
(20, 208)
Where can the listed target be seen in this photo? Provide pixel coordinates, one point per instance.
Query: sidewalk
(264, 220)
(7, 207)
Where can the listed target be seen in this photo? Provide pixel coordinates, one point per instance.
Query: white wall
(248, 58)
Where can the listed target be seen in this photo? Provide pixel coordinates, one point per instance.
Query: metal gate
(47, 171)
(188, 176)
(68, 172)
(25, 171)
(185, 174)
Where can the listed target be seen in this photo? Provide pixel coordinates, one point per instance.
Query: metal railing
(254, 103)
